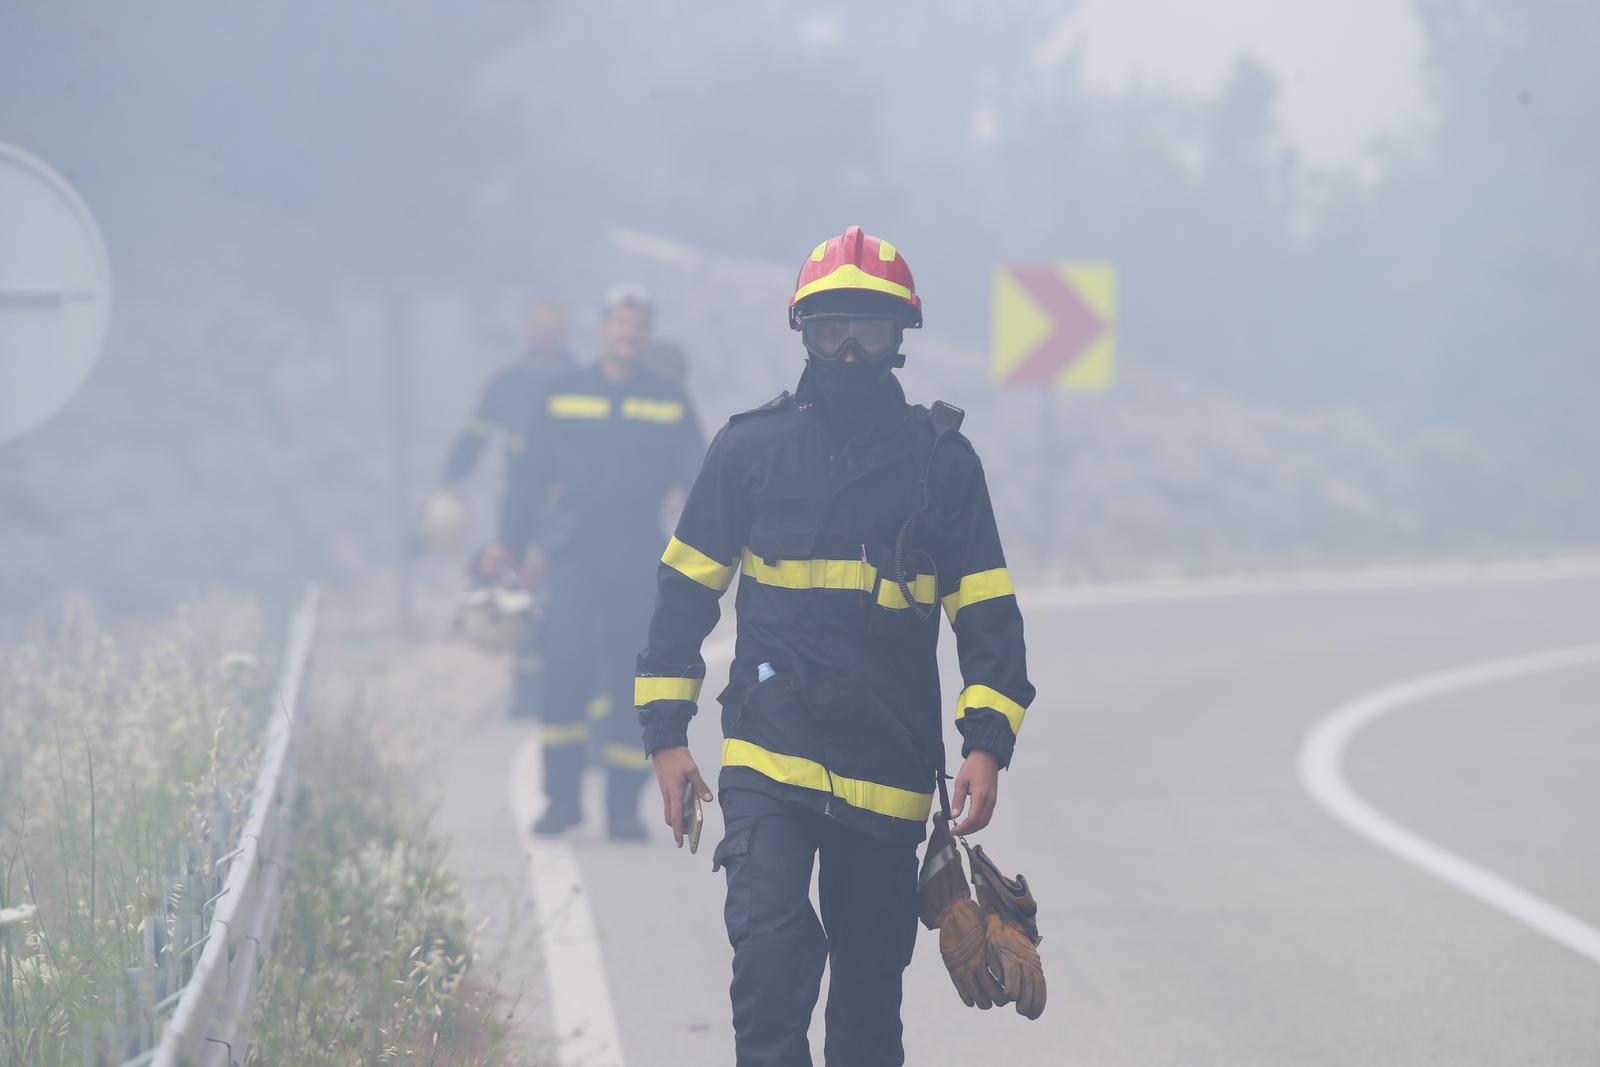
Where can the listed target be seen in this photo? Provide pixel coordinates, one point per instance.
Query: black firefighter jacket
(600, 456)
(850, 721)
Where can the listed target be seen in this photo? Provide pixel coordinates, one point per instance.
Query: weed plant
(106, 762)
(374, 959)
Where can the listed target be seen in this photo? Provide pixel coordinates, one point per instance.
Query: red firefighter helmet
(860, 262)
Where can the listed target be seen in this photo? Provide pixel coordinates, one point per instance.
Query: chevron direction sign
(1054, 325)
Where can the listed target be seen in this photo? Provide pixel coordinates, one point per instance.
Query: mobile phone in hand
(694, 819)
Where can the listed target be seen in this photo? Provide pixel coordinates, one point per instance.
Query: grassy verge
(373, 961)
(107, 759)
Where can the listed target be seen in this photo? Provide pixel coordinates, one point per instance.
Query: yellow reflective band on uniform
(925, 587)
(809, 774)
(976, 588)
(849, 574)
(697, 566)
(578, 406)
(811, 573)
(600, 707)
(850, 276)
(627, 756)
(646, 689)
(570, 733)
(981, 696)
(637, 407)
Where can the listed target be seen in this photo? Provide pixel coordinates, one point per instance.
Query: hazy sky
(1350, 72)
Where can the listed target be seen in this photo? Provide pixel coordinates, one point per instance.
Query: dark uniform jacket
(503, 411)
(850, 722)
(598, 459)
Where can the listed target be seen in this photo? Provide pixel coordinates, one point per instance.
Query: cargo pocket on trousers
(735, 842)
(729, 858)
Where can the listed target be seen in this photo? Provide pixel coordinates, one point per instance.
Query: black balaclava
(853, 393)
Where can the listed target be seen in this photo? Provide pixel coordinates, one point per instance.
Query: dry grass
(106, 761)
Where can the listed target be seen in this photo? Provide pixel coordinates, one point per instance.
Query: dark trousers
(868, 890)
(527, 673)
(594, 624)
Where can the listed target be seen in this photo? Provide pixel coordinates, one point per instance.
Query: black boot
(559, 817)
(622, 804)
(563, 785)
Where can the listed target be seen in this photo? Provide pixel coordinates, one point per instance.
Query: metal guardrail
(211, 1010)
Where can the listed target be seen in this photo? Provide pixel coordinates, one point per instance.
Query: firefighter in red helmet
(849, 516)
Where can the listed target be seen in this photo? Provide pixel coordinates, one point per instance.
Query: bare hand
(493, 562)
(674, 766)
(979, 780)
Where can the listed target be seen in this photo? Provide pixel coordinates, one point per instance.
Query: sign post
(1054, 329)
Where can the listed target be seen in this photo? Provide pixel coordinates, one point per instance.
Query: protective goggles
(830, 335)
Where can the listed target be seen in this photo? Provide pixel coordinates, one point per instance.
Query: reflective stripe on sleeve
(697, 566)
(976, 588)
(808, 774)
(644, 410)
(571, 733)
(646, 689)
(578, 406)
(630, 756)
(981, 696)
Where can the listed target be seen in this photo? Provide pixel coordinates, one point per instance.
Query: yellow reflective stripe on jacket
(925, 587)
(637, 407)
(976, 588)
(578, 406)
(981, 696)
(811, 573)
(600, 706)
(647, 689)
(630, 756)
(809, 774)
(849, 574)
(572, 733)
(697, 566)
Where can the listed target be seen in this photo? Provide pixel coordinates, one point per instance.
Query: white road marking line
(1322, 774)
(1400, 576)
(582, 1012)
(584, 1021)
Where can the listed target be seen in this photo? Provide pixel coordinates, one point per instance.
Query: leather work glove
(945, 903)
(1010, 935)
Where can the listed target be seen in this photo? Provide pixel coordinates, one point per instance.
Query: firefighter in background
(849, 516)
(503, 411)
(610, 449)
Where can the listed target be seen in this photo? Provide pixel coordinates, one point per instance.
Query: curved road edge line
(1322, 774)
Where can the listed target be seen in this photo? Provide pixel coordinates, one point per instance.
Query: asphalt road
(1199, 905)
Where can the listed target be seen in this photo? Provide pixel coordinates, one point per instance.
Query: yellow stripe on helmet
(850, 276)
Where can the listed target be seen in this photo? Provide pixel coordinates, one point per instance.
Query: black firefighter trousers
(596, 612)
(868, 890)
